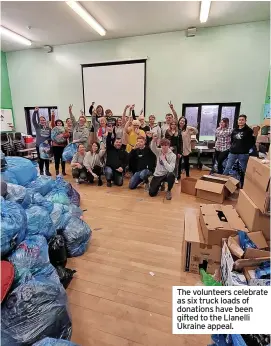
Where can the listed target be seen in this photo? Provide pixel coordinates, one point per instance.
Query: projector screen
(115, 85)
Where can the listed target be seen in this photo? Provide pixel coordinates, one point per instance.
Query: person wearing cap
(133, 132)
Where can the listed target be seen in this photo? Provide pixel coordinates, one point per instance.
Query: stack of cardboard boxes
(211, 239)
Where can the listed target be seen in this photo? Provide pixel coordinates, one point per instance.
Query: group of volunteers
(115, 146)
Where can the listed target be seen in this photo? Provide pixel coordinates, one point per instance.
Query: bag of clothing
(74, 196)
(76, 234)
(45, 150)
(54, 342)
(62, 185)
(22, 171)
(18, 194)
(65, 275)
(58, 196)
(42, 185)
(39, 222)
(57, 251)
(13, 225)
(31, 259)
(75, 211)
(34, 310)
(60, 215)
(38, 199)
(69, 152)
(56, 133)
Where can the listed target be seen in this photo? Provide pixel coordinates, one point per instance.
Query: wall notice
(221, 310)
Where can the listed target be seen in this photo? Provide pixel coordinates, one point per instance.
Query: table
(32, 153)
(202, 149)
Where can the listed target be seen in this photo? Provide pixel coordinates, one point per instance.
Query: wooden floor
(114, 299)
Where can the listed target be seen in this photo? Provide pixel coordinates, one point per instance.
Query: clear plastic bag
(42, 185)
(21, 170)
(76, 234)
(69, 152)
(19, 194)
(35, 310)
(13, 225)
(54, 342)
(31, 259)
(45, 150)
(39, 222)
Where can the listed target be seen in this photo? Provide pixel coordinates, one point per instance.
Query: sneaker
(168, 195)
(147, 186)
(109, 184)
(176, 181)
(41, 173)
(163, 187)
(77, 181)
(57, 172)
(48, 174)
(100, 182)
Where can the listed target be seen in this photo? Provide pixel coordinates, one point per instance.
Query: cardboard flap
(231, 184)
(255, 253)
(235, 248)
(258, 173)
(234, 220)
(215, 178)
(258, 239)
(192, 228)
(209, 186)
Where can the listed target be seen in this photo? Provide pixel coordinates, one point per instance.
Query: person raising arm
(80, 129)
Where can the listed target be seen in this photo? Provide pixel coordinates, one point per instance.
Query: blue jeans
(242, 158)
(138, 177)
(111, 174)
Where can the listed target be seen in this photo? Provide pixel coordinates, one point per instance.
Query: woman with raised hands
(80, 128)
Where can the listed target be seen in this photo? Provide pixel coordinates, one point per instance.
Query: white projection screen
(115, 85)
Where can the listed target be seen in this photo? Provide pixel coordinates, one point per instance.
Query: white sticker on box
(220, 310)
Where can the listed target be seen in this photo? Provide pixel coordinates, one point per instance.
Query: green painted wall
(6, 101)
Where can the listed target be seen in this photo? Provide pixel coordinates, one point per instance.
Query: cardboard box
(218, 222)
(188, 186)
(251, 215)
(262, 139)
(257, 181)
(249, 273)
(215, 188)
(231, 277)
(195, 251)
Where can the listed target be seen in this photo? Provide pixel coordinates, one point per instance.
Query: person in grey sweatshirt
(80, 129)
(165, 166)
(43, 133)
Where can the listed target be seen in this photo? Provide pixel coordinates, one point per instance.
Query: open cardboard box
(216, 188)
(196, 253)
(232, 271)
(251, 215)
(218, 222)
(257, 183)
(250, 276)
(188, 185)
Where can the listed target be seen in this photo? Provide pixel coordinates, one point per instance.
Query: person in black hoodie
(242, 141)
(142, 163)
(116, 161)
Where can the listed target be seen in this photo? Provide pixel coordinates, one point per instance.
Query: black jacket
(140, 159)
(242, 140)
(175, 141)
(115, 157)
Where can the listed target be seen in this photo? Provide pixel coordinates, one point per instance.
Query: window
(43, 111)
(206, 117)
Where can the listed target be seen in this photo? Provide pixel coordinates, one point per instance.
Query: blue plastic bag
(54, 342)
(60, 215)
(62, 185)
(34, 310)
(56, 196)
(56, 133)
(13, 225)
(18, 194)
(45, 150)
(22, 170)
(39, 222)
(245, 241)
(38, 199)
(74, 196)
(9, 177)
(76, 234)
(31, 259)
(42, 185)
(69, 152)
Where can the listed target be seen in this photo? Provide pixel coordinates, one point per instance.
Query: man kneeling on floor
(141, 164)
(165, 165)
(116, 160)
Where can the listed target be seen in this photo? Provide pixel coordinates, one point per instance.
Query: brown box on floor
(188, 186)
(196, 251)
(253, 218)
(218, 222)
(215, 188)
(257, 183)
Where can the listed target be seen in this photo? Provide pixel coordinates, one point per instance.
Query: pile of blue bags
(41, 225)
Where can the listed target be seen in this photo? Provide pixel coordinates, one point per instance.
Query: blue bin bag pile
(36, 310)
(31, 259)
(19, 171)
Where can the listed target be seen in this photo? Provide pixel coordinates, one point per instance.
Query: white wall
(222, 64)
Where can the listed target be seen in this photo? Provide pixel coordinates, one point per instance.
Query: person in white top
(169, 119)
(155, 129)
(93, 162)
